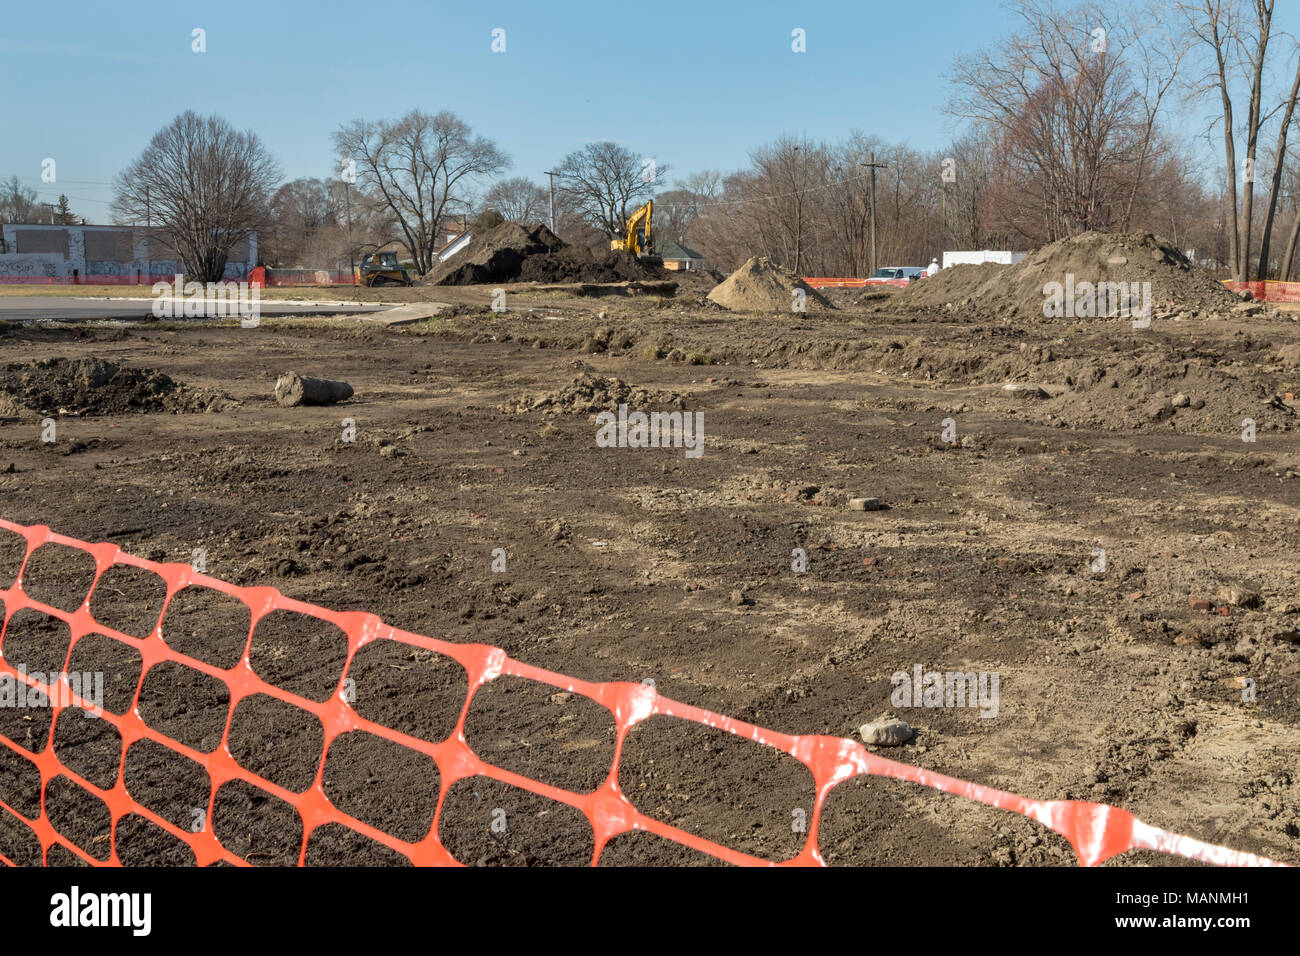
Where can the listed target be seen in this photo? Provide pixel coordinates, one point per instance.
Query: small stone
(887, 732)
(1181, 401)
(1198, 604)
(1137, 595)
(866, 504)
(1239, 597)
(740, 598)
(1025, 390)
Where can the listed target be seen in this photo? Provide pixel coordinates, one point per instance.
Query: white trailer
(980, 257)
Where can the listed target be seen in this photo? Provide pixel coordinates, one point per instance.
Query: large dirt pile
(513, 252)
(1181, 390)
(597, 393)
(761, 286)
(496, 255)
(587, 264)
(92, 386)
(1183, 397)
(994, 291)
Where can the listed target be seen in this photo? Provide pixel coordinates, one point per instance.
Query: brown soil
(495, 256)
(594, 393)
(761, 286)
(92, 386)
(1016, 291)
(587, 264)
(623, 565)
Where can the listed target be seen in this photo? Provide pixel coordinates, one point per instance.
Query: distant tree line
(1063, 127)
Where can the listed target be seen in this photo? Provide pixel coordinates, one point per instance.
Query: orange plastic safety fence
(1267, 290)
(1097, 831)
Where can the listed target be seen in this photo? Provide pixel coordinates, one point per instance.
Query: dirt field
(627, 564)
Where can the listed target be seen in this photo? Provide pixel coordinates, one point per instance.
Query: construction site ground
(635, 564)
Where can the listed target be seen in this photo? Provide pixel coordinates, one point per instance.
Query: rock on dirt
(1239, 597)
(93, 386)
(761, 286)
(1025, 390)
(866, 504)
(887, 732)
(294, 389)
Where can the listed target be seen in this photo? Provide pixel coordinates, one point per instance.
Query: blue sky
(695, 85)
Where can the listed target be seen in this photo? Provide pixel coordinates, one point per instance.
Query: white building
(112, 255)
(982, 256)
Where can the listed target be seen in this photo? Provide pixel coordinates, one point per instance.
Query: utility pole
(551, 176)
(347, 204)
(874, 166)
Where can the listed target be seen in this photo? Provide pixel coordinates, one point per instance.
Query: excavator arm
(638, 231)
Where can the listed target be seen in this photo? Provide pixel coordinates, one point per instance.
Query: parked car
(896, 275)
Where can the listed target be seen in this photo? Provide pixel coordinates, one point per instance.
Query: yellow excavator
(638, 239)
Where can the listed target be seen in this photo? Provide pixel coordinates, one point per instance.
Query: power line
(797, 192)
(78, 182)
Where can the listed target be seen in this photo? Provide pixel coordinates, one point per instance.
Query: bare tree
(518, 199)
(203, 185)
(675, 212)
(302, 214)
(18, 203)
(420, 168)
(678, 210)
(1235, 36)
(607, 182)
(1279, 168)
(788, 174)
(1075, 131)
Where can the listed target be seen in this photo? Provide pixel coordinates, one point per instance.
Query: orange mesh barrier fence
(1267, 291)
(1096, 831)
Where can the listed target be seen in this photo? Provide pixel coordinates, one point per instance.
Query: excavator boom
(638, 232)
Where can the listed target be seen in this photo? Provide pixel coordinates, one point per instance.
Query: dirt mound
(587, 264)
(1141, 261)
(10, 409)
(1181, 397)
(596, 393)
(956, 284)
(92, 386)
(760, 286)
(497, 255)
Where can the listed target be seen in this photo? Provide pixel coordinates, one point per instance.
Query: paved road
(33, 308)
